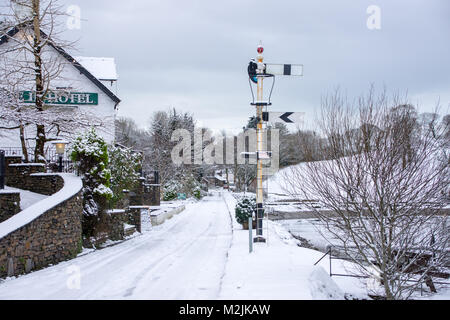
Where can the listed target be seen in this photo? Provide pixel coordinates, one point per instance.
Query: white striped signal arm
(278, 69)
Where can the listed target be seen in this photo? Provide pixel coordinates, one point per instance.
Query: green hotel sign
(62, 98)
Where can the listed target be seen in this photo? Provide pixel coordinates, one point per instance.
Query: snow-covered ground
(280, 269)
(183, 258)
(312, 231)
(276, 184)
(201, 253)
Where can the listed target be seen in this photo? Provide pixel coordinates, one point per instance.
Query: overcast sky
(193, 55)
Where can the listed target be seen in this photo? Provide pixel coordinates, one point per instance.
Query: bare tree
(244, 175)
(59, 123)
(31, 29)
(158, 156)
(386, 184)
(10, 115)
(129, 134)
(446, 124)
(30, 60)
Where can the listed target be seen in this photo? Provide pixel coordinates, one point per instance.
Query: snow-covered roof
(101, 68)
(77, 64)
(218, 177)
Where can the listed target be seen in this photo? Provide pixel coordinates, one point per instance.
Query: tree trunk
(39, 155)
(37, 50)
(22, 141)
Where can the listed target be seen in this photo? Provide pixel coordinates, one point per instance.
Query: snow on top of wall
(27, 165)
(72, 185)
(7, 191)
(114, 211)
(218, 177)
(142, 207)
(101, 68)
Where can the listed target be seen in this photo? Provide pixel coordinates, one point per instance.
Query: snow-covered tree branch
(30, 33)
(386, 185)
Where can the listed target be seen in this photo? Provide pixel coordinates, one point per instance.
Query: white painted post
(259, 146)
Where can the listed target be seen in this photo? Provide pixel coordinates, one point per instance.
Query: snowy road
(184, 258)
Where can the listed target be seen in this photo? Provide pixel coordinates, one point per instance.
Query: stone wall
(52, 237)
(152, 195)
(134, 217)
(115, 221)
(12, 160)
(117, 218)
(146, 194)
(46, 184)
(31, 177)
(56, 235)
(9, 204)
(17, 174)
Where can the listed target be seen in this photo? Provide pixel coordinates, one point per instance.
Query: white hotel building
(88, 85)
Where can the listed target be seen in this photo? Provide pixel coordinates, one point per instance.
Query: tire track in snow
(159, 263)
(181, 259)
(196, 272)
(229, 246)
(161, 243)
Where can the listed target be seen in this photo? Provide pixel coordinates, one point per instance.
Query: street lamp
(60, 149)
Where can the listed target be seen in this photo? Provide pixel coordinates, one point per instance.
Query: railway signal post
(258, 71)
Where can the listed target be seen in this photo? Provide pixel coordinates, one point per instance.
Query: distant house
(222, 179)
(219, 180)
(85, 84)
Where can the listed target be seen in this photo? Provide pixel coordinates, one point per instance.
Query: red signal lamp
(260, 49)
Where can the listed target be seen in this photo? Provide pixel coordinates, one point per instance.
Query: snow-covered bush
(182, 183)
(245, 208)
(191, 186)
(170, 190)
(124, 165)
(197, 193)
(90, 153)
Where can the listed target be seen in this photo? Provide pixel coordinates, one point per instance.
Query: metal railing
(50, 154)
(329, 253)
(68, 166)
(51, 158)
(9, 151)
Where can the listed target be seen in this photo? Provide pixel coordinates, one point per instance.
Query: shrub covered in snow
(197, 193)
(182, 183)
(124, 165)
(171, 189)
(90, 152)
(245, 208)
(191, 186)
